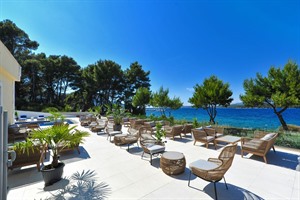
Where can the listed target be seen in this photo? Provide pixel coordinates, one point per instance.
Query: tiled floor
(118, 174)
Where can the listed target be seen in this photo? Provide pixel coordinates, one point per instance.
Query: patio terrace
(124, 175)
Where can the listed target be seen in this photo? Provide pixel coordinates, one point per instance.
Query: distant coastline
(241, 117)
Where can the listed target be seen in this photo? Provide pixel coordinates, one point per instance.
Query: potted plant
(57, 138)
(26, 153)
(118, 114)
(159, 132)
(16, 116)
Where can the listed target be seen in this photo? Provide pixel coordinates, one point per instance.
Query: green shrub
(50, 109)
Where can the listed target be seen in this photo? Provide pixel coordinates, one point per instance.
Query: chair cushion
(252, 144)
(219, 134)
(210, 138)
(268, 136)
(154, 148)
(114, 133)
(203, 164)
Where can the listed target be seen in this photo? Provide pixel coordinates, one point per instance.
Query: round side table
(172, 163)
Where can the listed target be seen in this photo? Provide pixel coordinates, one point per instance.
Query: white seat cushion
(268, 136)
(203, 164)
(113, 133)
(154, 148)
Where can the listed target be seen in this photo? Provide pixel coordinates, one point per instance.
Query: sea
(250, 118)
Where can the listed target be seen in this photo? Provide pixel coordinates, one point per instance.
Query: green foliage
(162, 101)
(159, 132)
(56, 117)
(68, 108)
(195, 123)
(135, 78)
(212, 93)
(288, 139)
(50, 110)
(15, 39)
(117, 112)
(25, 146)
(141, 99)
(59, 137)
(279, 90)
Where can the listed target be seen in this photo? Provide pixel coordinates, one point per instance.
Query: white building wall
(10, 71)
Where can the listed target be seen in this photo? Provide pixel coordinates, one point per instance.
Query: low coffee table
(228, 139)
(172, 163)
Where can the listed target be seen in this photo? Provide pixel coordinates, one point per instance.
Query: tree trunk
(283, 123)
(55, 161)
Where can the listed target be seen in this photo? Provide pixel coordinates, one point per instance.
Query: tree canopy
(141, 99)
(15, 39)
(212, 93)
(58, 81)
(161, 100)
(135, 78)
(280, 89)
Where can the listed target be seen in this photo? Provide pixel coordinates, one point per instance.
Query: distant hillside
(236, 105)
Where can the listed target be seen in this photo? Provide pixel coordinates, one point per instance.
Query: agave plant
(59, 137)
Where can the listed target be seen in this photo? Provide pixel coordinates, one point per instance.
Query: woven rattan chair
(219, 131)
(174, 131)
(187, 128)
(131, 138)
(260, 145)
(214, 169)
(109, 130)
(149, 144)
(201, 136)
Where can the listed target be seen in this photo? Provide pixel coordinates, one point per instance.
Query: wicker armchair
(150, 126)
(131, 138)
(187, 128)
(214, 169)
(149, 144)
(260, 145)
(219, 131)
(101, 124)
(201, 136)
(174, 131)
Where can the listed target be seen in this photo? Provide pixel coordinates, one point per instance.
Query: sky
(181, 42)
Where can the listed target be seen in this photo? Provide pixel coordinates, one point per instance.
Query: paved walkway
(114, 173)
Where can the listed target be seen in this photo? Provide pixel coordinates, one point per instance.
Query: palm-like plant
(59, 137)
(117, 112)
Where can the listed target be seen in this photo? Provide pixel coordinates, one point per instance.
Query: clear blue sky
(180, 42)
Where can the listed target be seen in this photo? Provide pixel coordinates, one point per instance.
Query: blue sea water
(259, 118)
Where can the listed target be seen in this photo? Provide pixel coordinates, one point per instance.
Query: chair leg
(190, 178)
(265, 159)
(215, 187)
(142, 154)
(273, 148)
(225, 182)
(151, 158)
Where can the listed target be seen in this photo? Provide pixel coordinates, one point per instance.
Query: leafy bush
(288, 139)
(50, 109)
